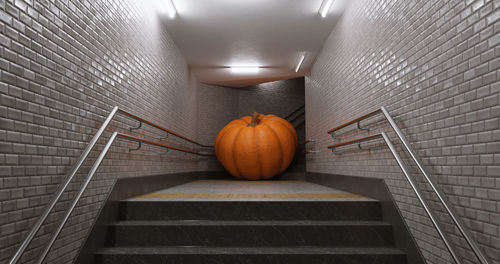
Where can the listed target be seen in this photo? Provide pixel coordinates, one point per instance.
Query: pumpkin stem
(255, 116)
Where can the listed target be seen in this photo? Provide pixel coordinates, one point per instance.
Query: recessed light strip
(302, 57)
(325, 7)
(172, 10)
(244, 69)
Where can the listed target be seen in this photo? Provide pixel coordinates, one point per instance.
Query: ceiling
(273, 34)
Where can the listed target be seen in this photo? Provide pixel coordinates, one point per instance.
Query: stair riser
(251, 259)
(362, 211)
(250, 236)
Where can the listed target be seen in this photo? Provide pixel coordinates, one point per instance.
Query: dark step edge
(196, 250)
(154, 223)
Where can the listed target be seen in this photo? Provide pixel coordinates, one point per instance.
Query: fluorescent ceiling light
(171, 10)
(301, 60)
(325, 7)
(244, 69)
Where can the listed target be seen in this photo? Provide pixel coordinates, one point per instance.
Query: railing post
(93, 170)
(442, 198)
(31, 234)
(421, 198)
(449, 208)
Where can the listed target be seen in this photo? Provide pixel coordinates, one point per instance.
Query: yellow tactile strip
(246, 181)
(248, 195)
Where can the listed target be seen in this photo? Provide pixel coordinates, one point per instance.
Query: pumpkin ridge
(246, 119)
(264, 156)
(232, 154)
(293, 135)
(281, 147)
(234, 159)
(278, 121)
(225, 129)
(217, 142)
(258, 154)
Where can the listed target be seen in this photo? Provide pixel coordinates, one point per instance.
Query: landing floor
(237, 190)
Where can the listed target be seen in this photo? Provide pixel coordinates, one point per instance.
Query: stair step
(250, 210)
(275, 255)
(249, 233)
(248, 223)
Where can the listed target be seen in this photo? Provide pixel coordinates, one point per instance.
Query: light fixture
(244, 69)
(325, 7)
(301, 60)
(171, 10)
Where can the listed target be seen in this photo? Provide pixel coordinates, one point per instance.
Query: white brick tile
(450, 63)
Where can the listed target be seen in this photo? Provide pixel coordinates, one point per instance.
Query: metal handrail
(89, 177)
(412, 184)
(420, 197)
(129, 137)
(355, 141)
(161, 128)
(94, 168)
(354, 121)
(308, 151)
(296, 118)
(64, 185)
(307, 141)
(449, 208)
(38, 224)
(294, 111)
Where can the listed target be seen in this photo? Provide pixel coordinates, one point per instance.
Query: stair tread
(250, 210)
(196, 250)
(365, 200)
(248, 223)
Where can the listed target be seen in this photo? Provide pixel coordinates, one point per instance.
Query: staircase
(194, 232)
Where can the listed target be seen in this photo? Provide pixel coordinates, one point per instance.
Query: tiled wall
(279, 97)
(63, 66)
(218, 106)
(435, 66)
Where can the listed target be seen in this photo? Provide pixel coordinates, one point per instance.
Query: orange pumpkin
(257, 147)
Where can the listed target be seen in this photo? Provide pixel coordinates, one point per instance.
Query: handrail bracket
(164, 153)
(81, 159)
(336, 152)
(441, 196)
(135, 149)
(359, 146)
(335, 137)
(135, 128)
(362, 128)
(165, 137)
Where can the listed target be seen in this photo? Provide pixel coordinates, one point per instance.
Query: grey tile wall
(279, 97)
(218, 106)
(63, 66)
(435, 66)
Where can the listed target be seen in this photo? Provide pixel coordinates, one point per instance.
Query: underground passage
(250, 131)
